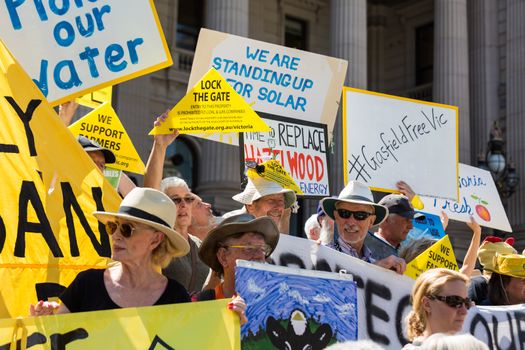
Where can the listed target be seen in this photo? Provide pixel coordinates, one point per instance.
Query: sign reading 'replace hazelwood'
(72, 47)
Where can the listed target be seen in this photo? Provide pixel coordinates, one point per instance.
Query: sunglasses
(358, 215)
(454, 301)
(253, 249)
(187, 200)
(126, 230)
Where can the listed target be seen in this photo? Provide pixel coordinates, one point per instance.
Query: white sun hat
(259, 187)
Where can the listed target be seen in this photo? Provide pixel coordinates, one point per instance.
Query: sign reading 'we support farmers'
(71, 47)
(277, 80)
(300, 146)
(388, 139)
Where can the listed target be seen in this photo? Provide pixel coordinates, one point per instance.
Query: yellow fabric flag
(50, 187)
(201, 325)
(211, 106)
(103, 125)
(440, 254)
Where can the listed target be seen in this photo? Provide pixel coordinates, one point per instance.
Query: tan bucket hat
(259, 187)
(232, 226)
(153, 208)
(358, 193)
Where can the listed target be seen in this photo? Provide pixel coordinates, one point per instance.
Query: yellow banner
(104, 126)
(211, 106)
(272, 170)
(96, 98)
(201, 325)
(440, 254)
(50, 187)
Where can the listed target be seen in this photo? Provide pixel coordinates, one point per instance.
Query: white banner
(389, 139)
(478, 196)
(72, 47)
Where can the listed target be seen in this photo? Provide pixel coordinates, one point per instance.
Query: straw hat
(358, 193)
(231, 226)
(510, 265)
(153, 208)
(259, 187)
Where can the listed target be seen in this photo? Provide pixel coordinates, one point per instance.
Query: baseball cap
(93, 146)
(399, 204)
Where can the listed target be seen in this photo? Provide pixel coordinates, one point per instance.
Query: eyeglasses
(454, 301)
(126, 230)
(358, 215)
(187, 200)
(253, 249)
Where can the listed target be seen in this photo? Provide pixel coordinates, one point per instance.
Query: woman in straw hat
(439, 305)
(143, 241)
(507, 282)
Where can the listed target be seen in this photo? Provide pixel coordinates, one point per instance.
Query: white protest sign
(500, 327)
(388, 139)
(277, 80)
(383, 296)
(70, 48)
(478, 196)
(301, 148)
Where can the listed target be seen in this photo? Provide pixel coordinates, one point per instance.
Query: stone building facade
(459, 52)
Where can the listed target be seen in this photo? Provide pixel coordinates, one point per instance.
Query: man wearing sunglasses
(355, 213)
(394, 229)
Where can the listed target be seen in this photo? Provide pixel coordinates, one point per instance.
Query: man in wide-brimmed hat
(242, 237)
(266, 198)
(355, 212)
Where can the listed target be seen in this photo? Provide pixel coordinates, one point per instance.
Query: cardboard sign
(72, 47)
(301, 147)
(309, 309)
(96, 98)
(440, 254)
(154, 327)
(390, 138)
(50, 188)
(383, 296)
(211, 106)
(478, 196)
(278, 80)
(428, 227)
(104, 126)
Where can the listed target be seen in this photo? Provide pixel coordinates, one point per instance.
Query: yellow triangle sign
(211, 106)
(104, 126)
(439, 254)
(96, 98)
(50, 188)
(272, 170)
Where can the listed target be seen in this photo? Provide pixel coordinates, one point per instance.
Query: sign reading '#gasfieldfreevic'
(389, 138)
(278, 80)
(71, 47)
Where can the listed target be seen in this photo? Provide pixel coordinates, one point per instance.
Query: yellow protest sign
(211, 106)
(96, 98)
(440, 254)
(50, 187)
(174, 326)
(104, 126)
(272, 170)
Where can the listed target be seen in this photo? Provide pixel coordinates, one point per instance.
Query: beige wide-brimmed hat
(232, 226)
(358, 193)
(153, 208)
(259, 187)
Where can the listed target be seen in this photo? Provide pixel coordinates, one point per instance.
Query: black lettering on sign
(3, 234)
(70, 202)
(25, 117)
(495, 325)
(29, 193)
(289, 259)
(373, 288)
(59, 341)
(478, 318)
(161, 344)
(96, 192)
(322, 265)
(520, 318)
(32, 340)
(47, 290)
(403, 304)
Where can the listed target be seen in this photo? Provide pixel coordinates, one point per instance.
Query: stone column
(349, 37)
(451, 68)
(484, 71)
(219, 165)
(515, 125)
(376, 49)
